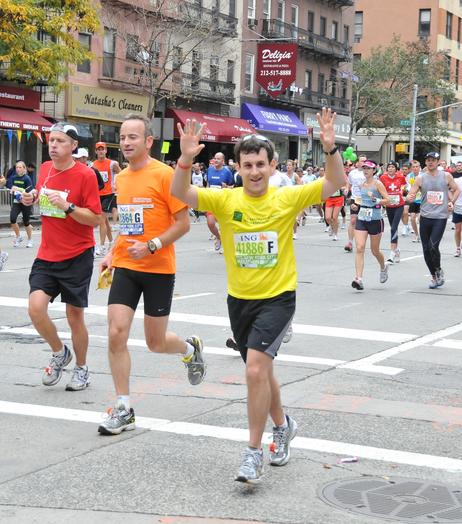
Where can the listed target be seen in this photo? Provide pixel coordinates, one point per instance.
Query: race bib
(394, 200)
(435, 197)
(47, 209)
(104, 176)
(365, 214)
(130, 219)
(256, 250)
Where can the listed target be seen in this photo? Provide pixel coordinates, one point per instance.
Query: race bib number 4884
(256, 250)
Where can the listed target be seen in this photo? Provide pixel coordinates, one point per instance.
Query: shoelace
(80, 372)
(55, 362)
(250, 459)
(279, 437)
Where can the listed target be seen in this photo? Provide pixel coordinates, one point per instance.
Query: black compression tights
(431, 233)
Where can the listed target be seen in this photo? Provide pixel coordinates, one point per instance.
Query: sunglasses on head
(258, 137)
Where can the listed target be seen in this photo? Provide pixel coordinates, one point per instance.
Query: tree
(382, 94)
(38, 38)
(167, 44)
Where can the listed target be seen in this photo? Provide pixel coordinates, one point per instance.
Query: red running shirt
(64, 238)
(394, 187)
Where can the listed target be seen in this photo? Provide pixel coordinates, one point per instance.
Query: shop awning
(219, 128)
(11, 118)
(273, 120)
(369, 143)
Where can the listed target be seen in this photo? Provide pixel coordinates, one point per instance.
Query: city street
(373, 379)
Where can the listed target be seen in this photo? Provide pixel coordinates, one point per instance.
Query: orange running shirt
(104, 167)
(146, 210)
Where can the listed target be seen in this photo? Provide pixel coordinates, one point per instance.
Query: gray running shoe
(397, 257)
(433, 283)
(384, 274)
(54, 371)
(195, 364)
(357, 284)
(288, 334)
(251, 468)
(3, 259)
(119, 419)
(80, 379)
(280, 447)
(439, 277)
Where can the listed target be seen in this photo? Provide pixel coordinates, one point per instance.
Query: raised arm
(334, 177)
(190, 147)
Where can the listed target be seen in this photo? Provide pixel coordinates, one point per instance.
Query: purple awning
(273, 120)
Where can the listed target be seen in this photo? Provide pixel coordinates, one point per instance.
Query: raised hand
(189, 139)
(326, 122)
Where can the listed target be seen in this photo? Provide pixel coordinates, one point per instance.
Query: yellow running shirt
(256, 234)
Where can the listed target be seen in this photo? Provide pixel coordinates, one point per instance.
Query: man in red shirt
(108, 169)
(67, 192)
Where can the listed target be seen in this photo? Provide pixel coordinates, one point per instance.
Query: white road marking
(212, 320)
(449, 343)
(184, 297)
(368, 363)
(411, 258)
(241, 435)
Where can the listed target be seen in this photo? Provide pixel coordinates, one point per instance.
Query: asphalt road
(374, 375)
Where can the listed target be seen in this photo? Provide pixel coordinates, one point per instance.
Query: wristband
(157, 242)
(182, 166)
(330, 153)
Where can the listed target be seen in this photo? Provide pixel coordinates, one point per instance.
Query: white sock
(59, 353)
(285, 425)
(123, 400)
(189, 350)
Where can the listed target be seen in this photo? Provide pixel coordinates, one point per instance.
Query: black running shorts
(108, 202)
(69, 278)
(373, 227)
(261, 324)
(157, 289)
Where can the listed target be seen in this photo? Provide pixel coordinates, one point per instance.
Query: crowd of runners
(253, 210)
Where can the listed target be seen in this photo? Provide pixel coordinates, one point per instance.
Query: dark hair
(147, 123)
(394, 164)
(30, 164)
(251, 144)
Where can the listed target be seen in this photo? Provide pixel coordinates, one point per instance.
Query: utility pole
(413, 119)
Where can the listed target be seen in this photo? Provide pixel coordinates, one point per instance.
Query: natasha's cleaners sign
(276, 67)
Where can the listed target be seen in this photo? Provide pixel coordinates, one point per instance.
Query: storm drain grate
(397, 499)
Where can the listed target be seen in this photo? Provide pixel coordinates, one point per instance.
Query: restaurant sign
(276, 67)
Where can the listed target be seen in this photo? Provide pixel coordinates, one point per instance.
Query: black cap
(432, 154)
(393, 163)
(69, 129)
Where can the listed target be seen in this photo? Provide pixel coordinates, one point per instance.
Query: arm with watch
(81, 215)
(334, 177)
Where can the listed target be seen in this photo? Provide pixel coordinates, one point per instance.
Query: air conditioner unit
(252, 22)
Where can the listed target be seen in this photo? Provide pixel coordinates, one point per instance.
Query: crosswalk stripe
(241, 435)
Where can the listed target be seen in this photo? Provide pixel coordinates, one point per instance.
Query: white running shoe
(334, 237)
(384, 274)
(30, 243)
(294, 236)
(457, 253)
(3, 259)
(17, 241)
(397, 257)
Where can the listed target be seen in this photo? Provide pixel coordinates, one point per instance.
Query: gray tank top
(434, 196)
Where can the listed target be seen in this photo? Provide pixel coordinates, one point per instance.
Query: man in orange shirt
(108, 169)
(144, 261)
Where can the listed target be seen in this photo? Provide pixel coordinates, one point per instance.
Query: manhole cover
(397, 499)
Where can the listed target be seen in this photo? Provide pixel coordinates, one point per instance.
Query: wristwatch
(330, 153)
(70, 209)
(154, 244)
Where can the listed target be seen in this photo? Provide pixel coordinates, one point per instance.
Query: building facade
(437, 21)
(322, 31)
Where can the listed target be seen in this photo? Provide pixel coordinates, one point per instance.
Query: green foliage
(38, 39)
(383, 94)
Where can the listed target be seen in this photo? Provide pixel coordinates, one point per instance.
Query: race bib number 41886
(256, 250)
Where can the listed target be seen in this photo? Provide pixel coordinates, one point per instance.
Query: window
(177, 57)
(310, 26)
(266, 9)
(308, 84)
(334, 31)
(344, 89)
(356, 57)
(251, 9)
(85, 42)
(196, 69)
(281, 9)
(456, 79)
(459, 21)
(424, 22)
(321, 83)
(214, 72)
(133, 47)
(346, 34)
(447, 68)
(358, 26)
(109, 52)
(449, 25)
(323, 26)
(155, 50)
(230, 71)
(232, 8)
(294, 20)
(249, 69)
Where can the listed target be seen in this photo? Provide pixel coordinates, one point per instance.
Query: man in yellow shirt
(256, 223)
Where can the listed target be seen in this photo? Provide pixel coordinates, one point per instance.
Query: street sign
(405, 123)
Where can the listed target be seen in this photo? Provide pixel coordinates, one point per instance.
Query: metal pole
(414, 116)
